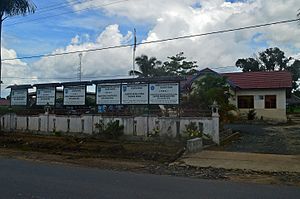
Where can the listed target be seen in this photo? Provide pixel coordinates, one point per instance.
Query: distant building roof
(4, 102)
(23, 86)
(261, 79)
(187, 83)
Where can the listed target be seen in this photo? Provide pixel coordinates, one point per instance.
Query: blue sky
(100, 26)
(31, 37)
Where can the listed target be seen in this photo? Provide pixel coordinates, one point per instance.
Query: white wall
(133, 126)
(259, 105)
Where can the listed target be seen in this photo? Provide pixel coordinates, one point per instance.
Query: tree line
(271, 59)
(174, 66)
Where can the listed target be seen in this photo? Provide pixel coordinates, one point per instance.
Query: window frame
(269, 104)
(250, 104)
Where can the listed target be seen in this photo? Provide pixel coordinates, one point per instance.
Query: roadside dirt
(139, 157)
(264, 138)
(93, 148)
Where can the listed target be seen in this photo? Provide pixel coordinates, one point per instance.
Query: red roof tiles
(253, 80)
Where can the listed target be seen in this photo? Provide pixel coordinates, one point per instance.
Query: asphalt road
(26, 179)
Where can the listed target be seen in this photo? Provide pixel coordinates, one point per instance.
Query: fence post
(215, 123)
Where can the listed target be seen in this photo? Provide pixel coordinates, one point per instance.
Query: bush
(155, 132)
(112, 130)
(57, 133)
(191, 131)
(251, 114)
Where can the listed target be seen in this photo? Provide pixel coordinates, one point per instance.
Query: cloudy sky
(70, 25)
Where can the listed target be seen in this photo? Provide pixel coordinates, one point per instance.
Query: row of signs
(163, 93)
(107, 94)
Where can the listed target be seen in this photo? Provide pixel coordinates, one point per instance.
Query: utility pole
(79, 68)
(133, 54)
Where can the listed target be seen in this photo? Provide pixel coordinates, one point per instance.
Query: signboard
(18, 97)
(45, 96)
(108, 94)
(135, 94)
(74, 95)
(164, 93)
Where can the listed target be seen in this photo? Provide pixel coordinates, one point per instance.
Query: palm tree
(147, 66)
(9, 8)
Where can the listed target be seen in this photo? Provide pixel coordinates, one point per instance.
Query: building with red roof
(264, 91)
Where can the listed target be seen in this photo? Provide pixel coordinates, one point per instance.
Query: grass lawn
(293, 110)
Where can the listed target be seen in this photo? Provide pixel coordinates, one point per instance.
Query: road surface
(27, 179)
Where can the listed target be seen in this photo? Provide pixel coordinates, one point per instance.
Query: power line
(64, 13)
(157, 41)
(60, 4)
(57, 6)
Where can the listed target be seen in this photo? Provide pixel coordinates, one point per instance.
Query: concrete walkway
(248, 161)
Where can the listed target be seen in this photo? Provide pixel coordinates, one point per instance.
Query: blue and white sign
(164, 93)
(74, 95)
(108, 94)
(18, 97)
(135, 94)
(45, 96)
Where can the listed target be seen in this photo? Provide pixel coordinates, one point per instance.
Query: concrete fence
(85, 124)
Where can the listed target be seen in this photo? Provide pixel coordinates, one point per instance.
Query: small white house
(265, 92)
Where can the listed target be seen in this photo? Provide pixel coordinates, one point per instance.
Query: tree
(178, 66)
(297, 93)
(9, 8)
(248, 64)
(272, 59)
(147, 66)
(208, 89)
(294, 68)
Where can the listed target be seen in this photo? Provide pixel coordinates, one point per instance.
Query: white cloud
(172, 18)
(94, 64)
(13, 71)
(75, 40)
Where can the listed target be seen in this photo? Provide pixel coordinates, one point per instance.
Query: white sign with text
(74, 95)
(108, 94)
(45, 96)
(164, 93)
(135, 94)
(19, 97)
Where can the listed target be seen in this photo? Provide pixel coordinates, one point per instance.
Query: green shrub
(251, 114)
(111, 130)
(191, 131)
(155, 132)
(57, 133)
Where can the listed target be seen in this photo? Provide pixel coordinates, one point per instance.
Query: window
(270, 101)
(246, 101)
(260, 97)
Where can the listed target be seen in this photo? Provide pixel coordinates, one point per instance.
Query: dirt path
(275, 139)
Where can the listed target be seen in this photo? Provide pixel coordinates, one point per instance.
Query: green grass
(293, 110)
